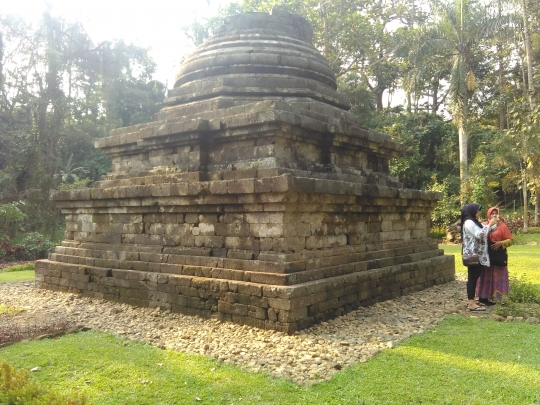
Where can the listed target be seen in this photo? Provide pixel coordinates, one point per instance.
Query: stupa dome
(258, 55)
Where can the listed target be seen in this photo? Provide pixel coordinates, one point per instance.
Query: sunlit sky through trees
(153, 24)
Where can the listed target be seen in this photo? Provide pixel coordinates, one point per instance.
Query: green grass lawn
(21, 272)
(461, 361)
(523, 261)
(14, 276)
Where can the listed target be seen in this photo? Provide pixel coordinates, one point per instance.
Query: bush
(523, 291)
(31, 246)
(18, 267)
(77, 184)
(35, 246)
(9, 252)
(437, 233)
(523, 299)
(11, 218)
(17, 388)
(447, 210)
(17, 331)
(514, 223)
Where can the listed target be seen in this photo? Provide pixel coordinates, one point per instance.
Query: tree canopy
(455, 81)
(58, 92)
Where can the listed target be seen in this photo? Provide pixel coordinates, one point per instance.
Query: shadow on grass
(115, 371)
(453, 365)
(462, 361)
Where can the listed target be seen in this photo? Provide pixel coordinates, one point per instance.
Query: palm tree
(458, 28)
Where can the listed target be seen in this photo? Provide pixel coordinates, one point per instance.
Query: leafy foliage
(10, 253)
(68, 174)
(523, 291)
(514, 223)
(35, 246)
(523, 299)
(81, 183)
(448, 209)
(395, 60)
(59, 92)
(18, 267)
(11, 218)
(30, 246)
(424, 138)
(18, 388)
(9, 310)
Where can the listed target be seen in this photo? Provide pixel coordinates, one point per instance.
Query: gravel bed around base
(309, 356)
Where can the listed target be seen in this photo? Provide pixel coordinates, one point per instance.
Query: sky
(153, 24)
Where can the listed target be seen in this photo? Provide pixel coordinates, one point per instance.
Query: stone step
(285, 308)
(278, 273)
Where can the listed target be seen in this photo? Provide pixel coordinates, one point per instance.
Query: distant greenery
(530, 238)
(437, 234)
(19, 267)
(82, 183)
(60, 91)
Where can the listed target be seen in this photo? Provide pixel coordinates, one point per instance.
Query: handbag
(471, 260)
(497, 257)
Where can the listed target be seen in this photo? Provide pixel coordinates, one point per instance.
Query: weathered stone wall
(253, 197)
(197, 286)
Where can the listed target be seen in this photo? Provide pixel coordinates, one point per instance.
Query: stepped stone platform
(254, 196)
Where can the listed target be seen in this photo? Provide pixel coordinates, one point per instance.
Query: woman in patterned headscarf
(474, 241)
(493, 282)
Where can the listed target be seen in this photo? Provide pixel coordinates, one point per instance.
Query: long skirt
(493, 283)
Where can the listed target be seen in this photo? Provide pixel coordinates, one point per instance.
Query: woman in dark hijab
(474, 241)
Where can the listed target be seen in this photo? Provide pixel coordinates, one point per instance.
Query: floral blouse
(475, 240)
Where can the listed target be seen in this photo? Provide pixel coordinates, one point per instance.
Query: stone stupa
(254, 196)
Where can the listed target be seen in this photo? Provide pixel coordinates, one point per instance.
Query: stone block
(234, 309)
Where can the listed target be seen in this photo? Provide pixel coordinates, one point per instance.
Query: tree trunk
(525, 204)
(463, 141)
(501, 78)
(536, 206)
(379, 97)
(501, 88)
(435, 96)
(463, 149)
(527, 40)
(326, 29)
(524, 76)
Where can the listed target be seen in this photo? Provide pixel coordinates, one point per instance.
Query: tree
(58, 92)
(357, 37)
(456, 34)
(523, 137)
(427, 142)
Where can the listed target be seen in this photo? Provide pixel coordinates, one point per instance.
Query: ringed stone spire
(254, 196)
